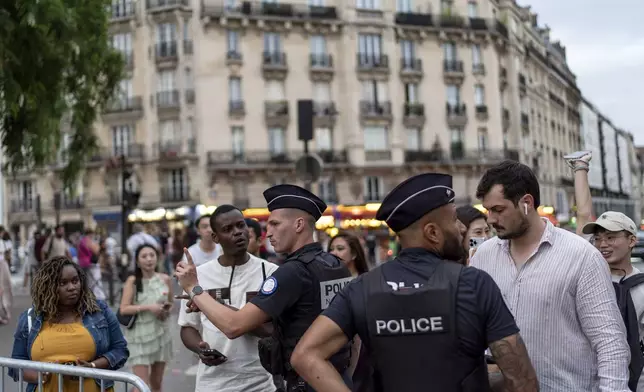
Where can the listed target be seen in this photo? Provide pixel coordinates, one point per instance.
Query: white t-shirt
(200, 257)
(242, 371)
(637, 294)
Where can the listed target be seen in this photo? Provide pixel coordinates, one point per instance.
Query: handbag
(127, 320)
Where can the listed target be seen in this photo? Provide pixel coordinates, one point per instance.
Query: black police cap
(415, 197)
(293, 196)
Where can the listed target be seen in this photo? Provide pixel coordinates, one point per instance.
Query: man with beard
(424, 320)
(557, 286)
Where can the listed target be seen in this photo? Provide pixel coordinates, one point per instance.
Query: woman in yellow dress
(68, 326)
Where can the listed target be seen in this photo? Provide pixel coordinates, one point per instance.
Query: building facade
(207, 113)
(615, 174)
(542, 99)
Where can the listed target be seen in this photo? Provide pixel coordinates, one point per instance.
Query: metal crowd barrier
(65, 370)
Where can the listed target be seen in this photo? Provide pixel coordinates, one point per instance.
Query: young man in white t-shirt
(233, 279)
(206, 249)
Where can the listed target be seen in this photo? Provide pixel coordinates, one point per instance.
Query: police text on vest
(329, 288)
(412, 326)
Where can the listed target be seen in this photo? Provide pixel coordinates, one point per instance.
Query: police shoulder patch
(269, 286)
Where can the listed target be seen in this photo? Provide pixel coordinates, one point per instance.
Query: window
(472, 9)
(375, 139)
(373, 91)
(407, 50)
(122, 43)
(169, 132)
(276, 141)
(234, 90)
(373, 188)
(368, 4)
(238, 140)
(274, 90)
(476, 55)
(186, 30)
(232, 41)
(446, 7)
(369, 48)
(482, 139)
(190, 128)
(318, 45)
(479, 95)
(403, 5)
(190, 80)
(449, 50)
(167, 81)
(411, 93)
(166, 32)
(453, 95)
(122, 138)
(177, 184)
(323, 140)
(25, 190)
(122, 7)
(457, 141)
(316, 3)
(326, 189)
(272, 43)
(413, 139)
(125, 89)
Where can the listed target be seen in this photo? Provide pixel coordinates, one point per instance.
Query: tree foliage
(56, 60)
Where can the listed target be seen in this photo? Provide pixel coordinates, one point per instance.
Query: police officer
(424, 320)
(293, 296)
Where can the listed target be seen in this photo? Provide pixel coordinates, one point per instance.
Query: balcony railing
(324, 109)
(168, 99)
(276, 10)
(171, 149)
(414, 19)
(23, 205)
(274, 59)
(71, 203)
(131, 151)
(175, 194)
(236, 107)
(216, 158)
(276, 108)
(408, 64)
(456, 109)
(414, 109)
(478, 24)
(165, 50)
(233, 56)
(124, 104)
(370, 60)
(154, 4)
(321, 60)
(370, 108)
(453, 66)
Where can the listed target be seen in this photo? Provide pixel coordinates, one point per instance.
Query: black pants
(295, 383)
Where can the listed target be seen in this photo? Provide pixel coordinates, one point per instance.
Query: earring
(525, 208)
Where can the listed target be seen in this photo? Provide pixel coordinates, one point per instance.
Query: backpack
(627, 309)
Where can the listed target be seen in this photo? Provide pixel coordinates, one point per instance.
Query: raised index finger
(188, 257)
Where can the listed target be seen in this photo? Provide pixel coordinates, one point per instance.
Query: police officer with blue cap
(296, 292)
(424, 319)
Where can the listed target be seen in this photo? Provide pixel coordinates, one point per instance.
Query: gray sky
(605, 47)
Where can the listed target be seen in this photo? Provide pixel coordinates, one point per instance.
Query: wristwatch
(196, 291)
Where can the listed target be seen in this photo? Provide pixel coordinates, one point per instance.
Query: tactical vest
(413, 342)
(329, 276)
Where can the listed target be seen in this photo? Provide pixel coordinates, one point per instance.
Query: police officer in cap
(424, 320)
(293, 296)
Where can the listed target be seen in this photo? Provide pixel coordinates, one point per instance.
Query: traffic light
(131, 199)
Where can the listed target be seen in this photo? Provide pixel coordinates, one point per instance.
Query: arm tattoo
(512, 357)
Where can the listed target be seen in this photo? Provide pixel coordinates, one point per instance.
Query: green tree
(55, 60)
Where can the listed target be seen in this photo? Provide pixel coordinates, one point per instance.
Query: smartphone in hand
(211, 352)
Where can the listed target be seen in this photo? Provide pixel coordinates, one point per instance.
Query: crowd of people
(501, 300)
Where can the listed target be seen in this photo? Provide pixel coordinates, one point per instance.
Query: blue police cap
(415, 197)
(293, 196)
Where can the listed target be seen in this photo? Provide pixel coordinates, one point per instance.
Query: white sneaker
(578, 158)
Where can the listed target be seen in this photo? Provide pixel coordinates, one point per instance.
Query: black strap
(230, 282)
(263, 272)
(630, 282)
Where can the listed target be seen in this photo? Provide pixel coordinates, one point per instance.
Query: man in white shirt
(206, 248)
(615, 235)
(234, 278)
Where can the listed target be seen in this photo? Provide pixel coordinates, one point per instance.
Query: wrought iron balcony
(260, 9)
(370, 61)
(23, 205)
(124, 104)
(175, 194)
(372, 109)
(165, 50)
(414, 19)
(168, 99)
(227, 159)
(153, 5)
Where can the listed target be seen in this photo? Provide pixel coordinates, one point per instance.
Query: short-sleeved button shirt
(481, 314)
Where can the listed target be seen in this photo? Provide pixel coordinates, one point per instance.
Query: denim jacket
(102, 325)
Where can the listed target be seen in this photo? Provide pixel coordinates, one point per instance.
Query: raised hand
(186, 272)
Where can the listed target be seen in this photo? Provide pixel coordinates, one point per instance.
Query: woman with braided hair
(67, 325)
